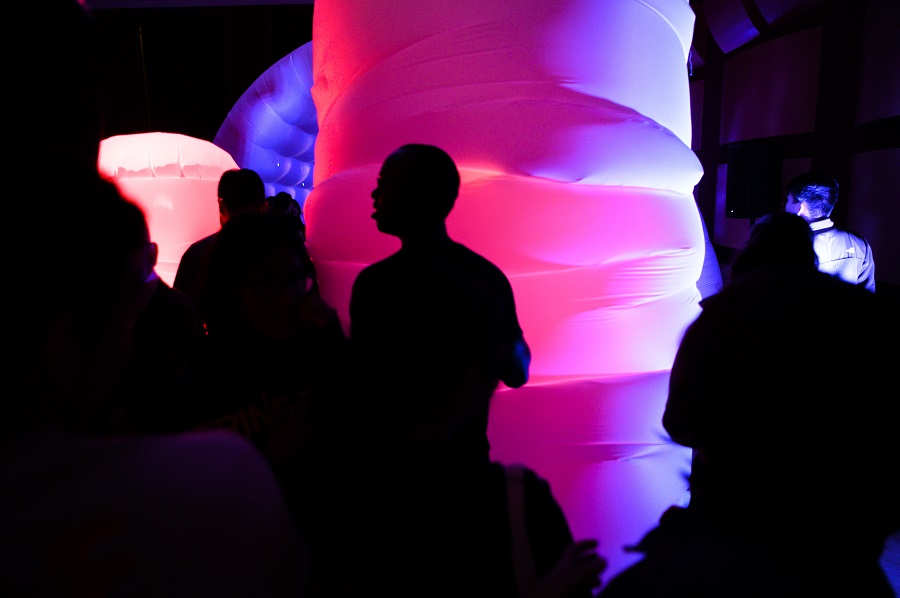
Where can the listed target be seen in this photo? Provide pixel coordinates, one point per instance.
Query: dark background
(181, 70)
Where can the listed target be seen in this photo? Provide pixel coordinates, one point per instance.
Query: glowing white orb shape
(174, 178)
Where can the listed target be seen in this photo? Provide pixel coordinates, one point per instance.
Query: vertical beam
(839, 69)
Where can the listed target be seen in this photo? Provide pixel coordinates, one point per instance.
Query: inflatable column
(570, 123)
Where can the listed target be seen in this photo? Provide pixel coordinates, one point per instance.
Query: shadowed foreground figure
(165, 332)
(780, 239)
(89, 514)
(85, 514)
(791, 412)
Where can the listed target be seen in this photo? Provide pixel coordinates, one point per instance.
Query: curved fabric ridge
(273, 126)
(570, 124)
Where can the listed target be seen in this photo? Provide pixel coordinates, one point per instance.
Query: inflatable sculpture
(570, 124)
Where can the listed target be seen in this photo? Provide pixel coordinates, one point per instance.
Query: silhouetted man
(399, 305)
(240, 191)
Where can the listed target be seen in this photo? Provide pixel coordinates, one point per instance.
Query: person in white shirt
(841, 252)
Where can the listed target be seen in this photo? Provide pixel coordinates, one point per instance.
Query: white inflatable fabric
(174, 178)
(570, 124)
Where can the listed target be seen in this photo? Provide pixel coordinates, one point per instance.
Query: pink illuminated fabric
(570, 124)
(174, 178)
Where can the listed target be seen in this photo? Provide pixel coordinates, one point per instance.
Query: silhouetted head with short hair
(812, 195)
(240, 190)
(417, 188)
(776, 240)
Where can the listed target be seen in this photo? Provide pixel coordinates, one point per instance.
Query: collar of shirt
(821, 224)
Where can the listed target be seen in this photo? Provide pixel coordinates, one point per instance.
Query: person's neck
(424, 237)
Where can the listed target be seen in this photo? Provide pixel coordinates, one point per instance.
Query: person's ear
(791, 204)
(223, 213)
(152, 254)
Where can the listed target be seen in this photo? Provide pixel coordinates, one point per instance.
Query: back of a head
(777, 240)
(84, 273)
(96, 231)
(433, 169)
(242, 190)
(818, 190)
(281, 202)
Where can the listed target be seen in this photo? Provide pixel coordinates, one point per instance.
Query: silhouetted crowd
(224, 436)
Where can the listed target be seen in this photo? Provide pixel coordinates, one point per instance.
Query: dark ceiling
(181, 69)
(180, 65)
